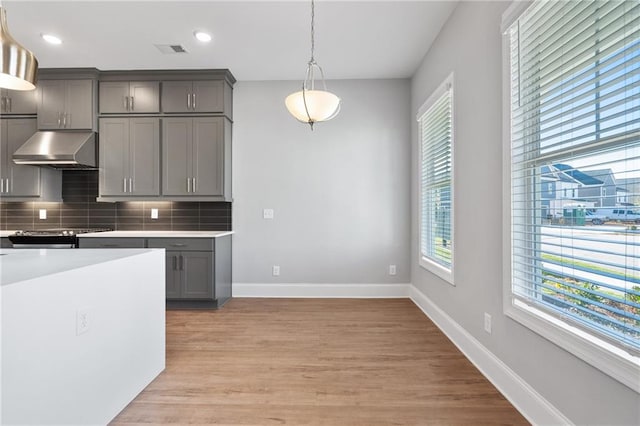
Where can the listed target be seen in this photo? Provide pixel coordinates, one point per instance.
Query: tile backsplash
(80, 210)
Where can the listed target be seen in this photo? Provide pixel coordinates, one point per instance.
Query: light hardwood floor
(315, 362)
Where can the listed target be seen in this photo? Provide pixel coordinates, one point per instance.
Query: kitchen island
(83, 332)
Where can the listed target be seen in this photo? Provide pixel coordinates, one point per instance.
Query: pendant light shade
(18, 66)
(311, 105)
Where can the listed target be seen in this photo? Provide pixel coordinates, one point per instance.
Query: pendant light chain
(313, 40)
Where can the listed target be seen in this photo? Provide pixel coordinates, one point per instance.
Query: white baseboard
(321, 290)
(530, 403)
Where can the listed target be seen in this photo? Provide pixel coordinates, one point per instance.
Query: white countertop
(156, 234)
(24, 264)
(4, 234)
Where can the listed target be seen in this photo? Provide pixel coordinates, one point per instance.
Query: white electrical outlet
(154, 213)
(275, 270)
(487, 323)
(392, 269)
(267, 214)
(83, 320)
(43, 214)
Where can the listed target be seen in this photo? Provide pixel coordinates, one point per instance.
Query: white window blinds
(435, 126)
(575, 165)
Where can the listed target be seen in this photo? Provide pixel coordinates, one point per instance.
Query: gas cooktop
(60, 231)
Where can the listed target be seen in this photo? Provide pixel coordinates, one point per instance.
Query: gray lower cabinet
(5, 243)
(106, 242)
(129, 97)
(189, 275)
(66, 104)
(129, 156)
(193, 156)
(198, 270)
(23, 182)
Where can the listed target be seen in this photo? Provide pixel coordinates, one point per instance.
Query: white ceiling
(256, 40)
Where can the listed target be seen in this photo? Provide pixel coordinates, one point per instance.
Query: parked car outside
(622, 214)
(595, 218)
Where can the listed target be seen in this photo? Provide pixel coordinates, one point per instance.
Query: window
(574, 116)
(435, 121)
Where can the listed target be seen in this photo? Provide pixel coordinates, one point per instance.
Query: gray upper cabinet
(129, 156)
(22, 182)
(124, 97)
(193, 156)
(21, 102)
(66, 104)
(193, 96)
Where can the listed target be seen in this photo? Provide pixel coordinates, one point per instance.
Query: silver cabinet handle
(124, 184)
(178, 245)
(188, 100)
(194, 102)
(1, 186)
(109, 245)
(126, 103)
(64, 120)
(2, 108)
(188, 185)
(181, 263)
(175, 261)
(132, 105)
(59, 118)
(193, 185)
(10, 104)
(130, 185)
(7, 188)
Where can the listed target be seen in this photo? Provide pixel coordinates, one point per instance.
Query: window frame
(447, 274)
(611, 360)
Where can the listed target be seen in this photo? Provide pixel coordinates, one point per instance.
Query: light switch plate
(267, 214)
(43, 214)
(154, 213)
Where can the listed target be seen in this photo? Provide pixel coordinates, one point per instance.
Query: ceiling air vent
(170, 49)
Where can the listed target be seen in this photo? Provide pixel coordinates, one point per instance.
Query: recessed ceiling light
(51, 39)
(202, 36)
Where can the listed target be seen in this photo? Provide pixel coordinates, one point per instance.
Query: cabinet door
(176, 155)
(114, 161)
(19, 101)
(173, 275)
(209, 96)
(145, 96)
(197, 275)
(113, 96)
(24, 181)
(208, 155)
(176, 96)
(79, 105)
(50, 104)
(144, 156)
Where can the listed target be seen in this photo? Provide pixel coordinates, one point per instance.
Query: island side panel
(78, 346)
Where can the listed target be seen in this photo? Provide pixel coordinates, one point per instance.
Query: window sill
(611, 360)
(439, 270)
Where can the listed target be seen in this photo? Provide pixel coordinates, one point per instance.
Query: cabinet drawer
(111, 242)
(182, 244)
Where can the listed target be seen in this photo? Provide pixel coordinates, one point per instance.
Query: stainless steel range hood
(59, 149)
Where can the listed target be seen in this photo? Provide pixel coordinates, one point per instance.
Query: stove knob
(19, 233)
(70, 232)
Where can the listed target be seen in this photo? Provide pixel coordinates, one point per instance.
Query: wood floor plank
(315, 362)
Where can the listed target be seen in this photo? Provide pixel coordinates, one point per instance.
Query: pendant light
(18, 66)
(311, 105)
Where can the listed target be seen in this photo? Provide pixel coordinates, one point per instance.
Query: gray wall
(341, 193)
(470, 46)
